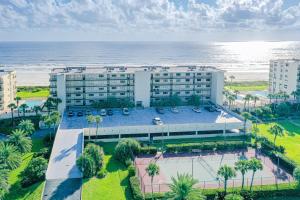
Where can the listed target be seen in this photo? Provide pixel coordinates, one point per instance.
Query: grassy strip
(247, 86)
(32, 92)
(16, 191)
(114, 186)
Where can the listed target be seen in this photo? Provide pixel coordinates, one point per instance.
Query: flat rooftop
(143, 117)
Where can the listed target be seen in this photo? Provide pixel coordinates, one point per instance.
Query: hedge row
(148, 150)
(268, 145)
(220, 146)
(135, 188)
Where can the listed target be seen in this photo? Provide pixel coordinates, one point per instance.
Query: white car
(125, 111)
(157, 121)
(103, 112)
(197, 109)
(174, 110)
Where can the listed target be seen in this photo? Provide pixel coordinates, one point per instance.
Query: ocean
(246, 60)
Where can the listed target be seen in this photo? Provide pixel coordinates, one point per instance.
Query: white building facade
(143, 86)
(284, 76)
(7, 88)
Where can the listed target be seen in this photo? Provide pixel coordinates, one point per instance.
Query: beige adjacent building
(7, 88)
(143, 86)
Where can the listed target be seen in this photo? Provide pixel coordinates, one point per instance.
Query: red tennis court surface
(203, 167)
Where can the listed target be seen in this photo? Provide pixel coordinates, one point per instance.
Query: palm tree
(24, 106)
(37, 109)
(26, 126)
(270, 96)
(18, 139)
(294, 94)
(10, 158)
(276, 130)
(152, 170)
(90, 119)
(246, 116)
(255, 99)
(182, 188)
(98, 120)
(54, 120)
(12, 106)
(4, 185)
(243, 167)
(48, 122)
(231, 79)
(18, 99)
(254, 165)
(227, 173)
(49, 103)
(231, 99)
(56, 101)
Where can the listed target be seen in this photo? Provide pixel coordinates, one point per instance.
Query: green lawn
(16, 191)
(33, 92)
(114, 186)
(247, 86)
(291, 140)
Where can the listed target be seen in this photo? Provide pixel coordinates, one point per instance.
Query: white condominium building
(284, 76)
(143, 86)
(7, 88)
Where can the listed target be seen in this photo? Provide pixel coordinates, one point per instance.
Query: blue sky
(106, 20)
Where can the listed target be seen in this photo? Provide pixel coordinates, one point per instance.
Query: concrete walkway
(63, 178)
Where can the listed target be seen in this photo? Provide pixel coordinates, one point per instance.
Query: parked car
(218, 109)
(110, 112)
(209, 108)
(103, 112)
(88, 112)
(157, 121)
(174, 110)
(160, 110)
(70, 114)
(79, 114)
(125, 111)
(197, 109)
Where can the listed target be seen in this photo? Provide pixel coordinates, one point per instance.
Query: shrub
(233, 197)
(128, 162)
(96, 153)
(126, 149)
(87, 165)
(148, 150)
(296, 175)
(135, 188)
(131, 171)
(102, 173)
(156, 196)
(48, 141)
(34, 172)
(44, 152)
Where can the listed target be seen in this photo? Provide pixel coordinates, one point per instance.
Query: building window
(78, 95)
(77, 88)
(101, 88)
(187, 74)
(68, 95)
(101, 75)
(198, 79)
(207, 85)
(177, 80)
(165, 74)
(165, 92)
(91, 95)
(68, 101)
(122, 93)
(178, 74)
(122, 81)
(113, 75)
(166, 80)
(156, 87)
(156, 92)
(187, 80)
(187, 92)
(187, 86)
(207, 74)
(198, 74)
(101, 95)
(122, 75)
(157, 81)
(113, 88)
(78, 101)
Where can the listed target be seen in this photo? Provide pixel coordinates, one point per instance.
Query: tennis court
(204, 167)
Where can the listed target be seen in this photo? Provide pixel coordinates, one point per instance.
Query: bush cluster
(267, 145)
(135, 188)
(34, 172)
(149, 150)
(126, 149)
(221, 146)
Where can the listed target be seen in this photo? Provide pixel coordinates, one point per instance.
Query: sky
(149, 20)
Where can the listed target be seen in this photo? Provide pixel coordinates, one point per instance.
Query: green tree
(194, 100)
(27, 126)
(277, 131)
(152, 170)
(34, 172)
(255, 99)
(12, 107)
(23, 106)
(254, 165)
(98, 120)
(96, 153)
(49, 104)
(226, 172)
(10, 158)
(233, 197)
(182, 188)
(20, 141)
(231, 77)
(246, 117)
(242, 166)
(52, 120)
(4, 185)
(296, 175)
(90, 120)
(18, 99)
(37, 109)
(86, 165)
(175, 100)
(126, 149)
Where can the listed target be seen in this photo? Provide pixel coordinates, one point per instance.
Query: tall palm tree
(246, 117)
(18, 99)
(4, 185)
(48, 122)
(255, 99)
(243, 167)
(26, 126)
(231, 99)
(226, 172)
(276, 130)
(10, 158)
(98, 120)
(37, 109)
(24, 106)
(294, 94)
(12, 106)
(54, 119)
(152, 170)
(231, 79)
(90, 119)
(20, 141)
(56, 102)
(182, 188)
(254, 165)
